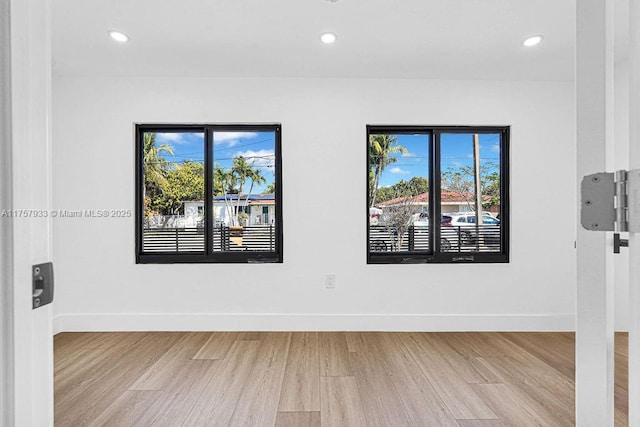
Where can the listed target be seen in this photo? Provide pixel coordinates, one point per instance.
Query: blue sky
(256, 147)
(456, 150)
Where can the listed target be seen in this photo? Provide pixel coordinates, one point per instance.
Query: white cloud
(231, 138)
(260, 158)
(175, 137)
(169, 137)
(495, 148)
(398, 170)
(408, 154)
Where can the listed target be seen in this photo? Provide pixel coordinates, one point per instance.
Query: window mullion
(435, 209)
(504, 191)
(208, 191)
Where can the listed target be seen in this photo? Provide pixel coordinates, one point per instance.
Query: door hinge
(611, 201)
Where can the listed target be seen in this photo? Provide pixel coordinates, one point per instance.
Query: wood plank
(173, 405)
(218, 345)
(621, 395)
(93, 364)
(334, 355)
(251, 336)
(78, 368)
(420, 374)
(217, 402)
(66, 346)
(460, 398)
(298, 419)
(73, 345)
(467, 366)
(421, 402)
(192, 375)
(622, 343)
(170, 409)
(103, 386)
(555, 351)
(168, 368)
(482, 423)
(534, 378)
(258, 403)
(380, 400)
(301, 383)
(109, 340)
(555, 393)
(621, 408)
(340, 402)
(357, 342)
(474, 344)
(127, 410)
(515, 408)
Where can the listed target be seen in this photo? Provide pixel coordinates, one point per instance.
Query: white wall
(324, 146)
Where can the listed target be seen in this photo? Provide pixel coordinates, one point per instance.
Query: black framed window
(208, 193)
(457, 175)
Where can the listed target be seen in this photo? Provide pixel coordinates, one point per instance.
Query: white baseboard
(112, 322)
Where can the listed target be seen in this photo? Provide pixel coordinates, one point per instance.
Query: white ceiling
(441, 39)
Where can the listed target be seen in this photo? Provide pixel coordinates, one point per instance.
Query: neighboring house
(451, 202)
(261, 208)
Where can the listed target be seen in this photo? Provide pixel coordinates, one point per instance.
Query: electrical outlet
(330, 281)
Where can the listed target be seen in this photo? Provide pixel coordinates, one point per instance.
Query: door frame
(6, 224)
(634, 238)
(26, 335)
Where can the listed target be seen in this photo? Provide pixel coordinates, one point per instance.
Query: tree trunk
(376, 182)
(476, 180)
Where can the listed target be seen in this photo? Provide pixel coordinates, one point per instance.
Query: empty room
(320, 213)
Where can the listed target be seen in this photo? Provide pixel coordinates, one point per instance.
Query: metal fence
(486, 238)
(173, 240)
(191, 239)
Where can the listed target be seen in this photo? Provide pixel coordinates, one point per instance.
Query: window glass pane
(399, 192)
(244, 187)
(173, 193)
(470, 191)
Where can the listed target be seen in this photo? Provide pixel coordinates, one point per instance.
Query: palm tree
(234, 181)
(256, 178)
(155, 166)
(381, 149)
(271, 188)
(244, 171)
(223, 183)
(241, 170)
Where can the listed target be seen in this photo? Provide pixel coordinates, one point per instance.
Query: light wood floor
(320, 379)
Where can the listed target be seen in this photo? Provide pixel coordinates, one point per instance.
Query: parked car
(422, 219)
(465, 224)
(420, 223)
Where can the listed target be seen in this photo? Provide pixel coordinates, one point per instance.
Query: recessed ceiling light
(118, 36)
(328, 38)
(532, 41)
